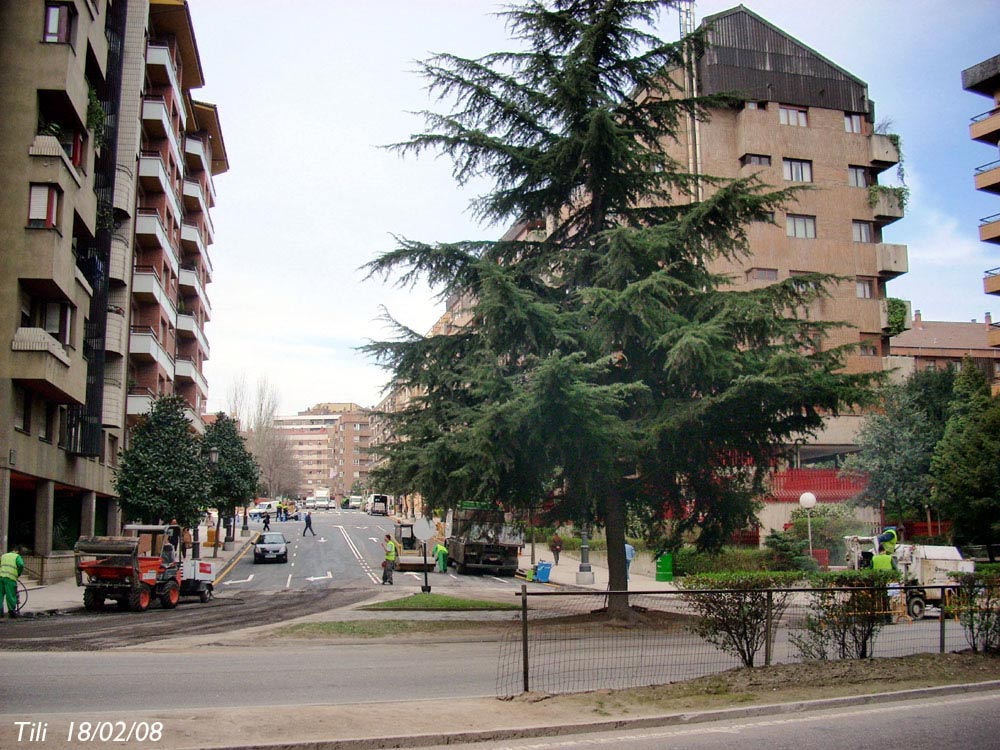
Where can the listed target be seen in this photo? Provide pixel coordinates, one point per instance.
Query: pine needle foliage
(602, 367)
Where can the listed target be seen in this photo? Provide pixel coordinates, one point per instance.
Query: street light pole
(808, 501)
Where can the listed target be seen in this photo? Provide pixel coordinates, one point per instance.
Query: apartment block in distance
(984, 79)
(89, 89)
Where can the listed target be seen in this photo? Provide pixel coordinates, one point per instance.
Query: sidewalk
(66, 595)
(566, 572)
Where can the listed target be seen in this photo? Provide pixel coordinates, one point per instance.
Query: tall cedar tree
(162, 474)
(602, 368)
(235, 476)
(965, 470)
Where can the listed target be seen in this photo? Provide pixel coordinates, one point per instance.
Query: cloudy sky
(309, 91)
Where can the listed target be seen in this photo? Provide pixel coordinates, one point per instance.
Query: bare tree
(279, 472)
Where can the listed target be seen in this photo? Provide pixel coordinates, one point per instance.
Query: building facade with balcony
(984, 79)
(92, 205)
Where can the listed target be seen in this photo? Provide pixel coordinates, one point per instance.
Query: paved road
(972, 721)
(244, 676)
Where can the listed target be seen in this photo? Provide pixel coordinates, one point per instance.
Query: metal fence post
(524, 633)
(941, 619)
(768, 633)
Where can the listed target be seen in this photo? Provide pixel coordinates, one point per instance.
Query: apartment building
(984, 79)
(329, 443)
(936, 345)
(90, 89)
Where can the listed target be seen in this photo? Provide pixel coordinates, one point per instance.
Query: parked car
(270, 545)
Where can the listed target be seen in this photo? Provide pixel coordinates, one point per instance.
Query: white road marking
(358, 556)
(320, 578)
(289, 581)
(245, 580)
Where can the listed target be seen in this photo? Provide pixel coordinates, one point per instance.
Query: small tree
(977, 606)
(740, 611)
(162, 474)
(234, 478)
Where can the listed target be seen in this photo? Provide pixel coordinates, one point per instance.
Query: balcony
(156, 119)
(139, 401)
(149, 229)
(113, 412)
(187, 326)
(189, 280)
(988, 177)
(43, 364)
(146, 287)
(888, 206)
(985, 128)
(883, 151)
(194, 197)
(198, 157)
(118, 267)
(192, 242)
(989, 229)
(993, 335)
(114, 333)
(145, 347)
(154, 178)
(991, 282)
(891, 260)
(186, 369)
(47, 263)
(162, 72)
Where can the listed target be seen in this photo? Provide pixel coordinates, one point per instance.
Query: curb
(648, 722)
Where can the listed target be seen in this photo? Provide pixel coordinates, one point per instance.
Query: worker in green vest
(389, 563)
(882, 561)
(11, 567)
(889, 538)
(440, 553)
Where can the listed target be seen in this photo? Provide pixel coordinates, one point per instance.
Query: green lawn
(440, 602)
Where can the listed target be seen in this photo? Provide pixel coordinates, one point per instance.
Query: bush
(689, 561)
(737, 615)
(977, 606)
(845, 622)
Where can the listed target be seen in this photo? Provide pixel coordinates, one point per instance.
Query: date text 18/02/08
(94, 731)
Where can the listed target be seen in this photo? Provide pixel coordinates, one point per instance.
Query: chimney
(989, 319)
(916, 319)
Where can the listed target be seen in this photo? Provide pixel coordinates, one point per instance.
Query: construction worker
(11, 567)
(882, 561)
(888, 539)
(440, 553)
(389, 563)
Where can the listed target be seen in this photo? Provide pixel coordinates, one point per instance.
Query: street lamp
(808, 501)
(585, 575)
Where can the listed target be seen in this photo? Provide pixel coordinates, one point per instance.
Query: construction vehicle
(135, 570)
(924, 569)
(481, 539)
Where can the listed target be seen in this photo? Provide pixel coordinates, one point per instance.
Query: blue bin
(542, 571)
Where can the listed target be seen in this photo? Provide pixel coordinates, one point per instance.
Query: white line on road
(289, 581)
(357, 554)
(320, 578)
(245, 580)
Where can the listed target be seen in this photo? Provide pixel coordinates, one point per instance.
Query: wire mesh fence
(569, 642)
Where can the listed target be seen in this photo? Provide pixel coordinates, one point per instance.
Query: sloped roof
(930, 334)
(751, 56)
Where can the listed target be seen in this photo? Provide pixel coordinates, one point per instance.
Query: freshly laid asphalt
(411, 723)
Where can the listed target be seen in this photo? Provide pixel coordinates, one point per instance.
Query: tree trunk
(618, 604)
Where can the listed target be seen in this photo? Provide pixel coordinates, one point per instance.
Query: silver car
(271, 545)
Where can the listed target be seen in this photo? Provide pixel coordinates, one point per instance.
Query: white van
(268, 506)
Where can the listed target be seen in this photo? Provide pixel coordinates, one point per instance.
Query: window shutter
(38, 205)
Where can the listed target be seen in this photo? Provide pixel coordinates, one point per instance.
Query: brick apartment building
(105, 191)
(984, 79)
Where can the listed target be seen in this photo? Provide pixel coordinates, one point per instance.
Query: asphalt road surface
(338, 567)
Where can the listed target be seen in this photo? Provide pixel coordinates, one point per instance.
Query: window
(22, 409)
(58, 322)
(852, 123)
(755, 105)
(858, 177)
(869, 347)
(866, 288)
(43, 206)
(48, 431)
(761, 160)
(862, 231)
(762, 274)
(797, 170)
(793, 116)
(58, 23)
(800, 226)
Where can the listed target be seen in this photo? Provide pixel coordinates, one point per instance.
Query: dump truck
(135, 570)
(481, 539)
(925, 569)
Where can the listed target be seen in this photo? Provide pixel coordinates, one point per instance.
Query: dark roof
(751, 56)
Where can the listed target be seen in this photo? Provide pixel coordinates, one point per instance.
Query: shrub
(848, 610)
(689, 561)
(977, 606)
(737, 614)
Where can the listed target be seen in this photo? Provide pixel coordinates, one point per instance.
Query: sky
(310, 92)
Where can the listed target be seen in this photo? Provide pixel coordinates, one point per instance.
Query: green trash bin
(665, 567)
